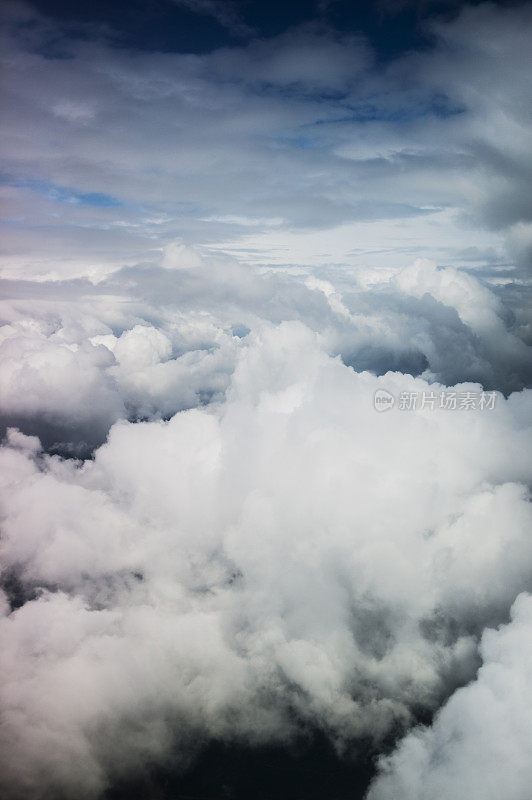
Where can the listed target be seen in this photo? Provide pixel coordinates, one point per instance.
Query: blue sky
(62, 194)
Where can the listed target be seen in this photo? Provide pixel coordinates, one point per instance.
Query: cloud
(429, 153)
(307, 59)
(148, 342)
(284, 560)
(62, 385)
(226, 13)
(480, 744)
(152, 383)
(208, 531)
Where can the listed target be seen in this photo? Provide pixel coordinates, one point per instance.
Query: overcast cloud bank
(301, 148)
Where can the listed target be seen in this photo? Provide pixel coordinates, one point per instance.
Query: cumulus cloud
(480, 745)
(288, 558)
(208, 533)
(147, 343)
(62, 384)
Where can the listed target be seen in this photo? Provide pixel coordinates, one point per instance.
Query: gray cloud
(226, 13)
(302, 131)
(480, 744)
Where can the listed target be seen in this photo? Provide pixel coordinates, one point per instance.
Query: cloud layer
(147, 343)
(287, 559)
(261, 147)
(213, 261)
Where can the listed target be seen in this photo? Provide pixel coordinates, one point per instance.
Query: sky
(265, 400)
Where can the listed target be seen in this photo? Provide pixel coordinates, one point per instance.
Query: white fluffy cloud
(207, 531)
(62, 384)
(288, 558)
(149, 343)
(480, 745)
